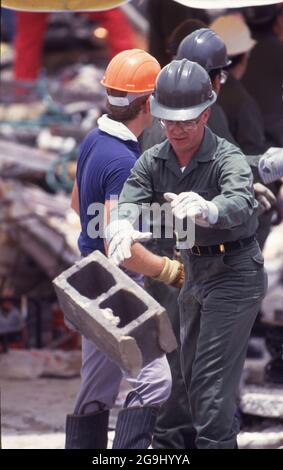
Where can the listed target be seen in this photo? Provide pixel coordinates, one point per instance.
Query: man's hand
(265, 197)
(192, 205)
(270, 166)
(120, 235)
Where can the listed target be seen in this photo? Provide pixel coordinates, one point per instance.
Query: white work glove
(190, 204)
(270, 165)
(265, 197)
(120, 235)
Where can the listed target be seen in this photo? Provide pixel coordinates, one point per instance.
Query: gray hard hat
(206, 48)
(183, 91)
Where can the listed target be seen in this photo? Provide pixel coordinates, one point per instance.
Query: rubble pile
(261, 400)
(41, 126)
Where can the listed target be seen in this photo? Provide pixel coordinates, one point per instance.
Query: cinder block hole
(125, 305)
(92, 280)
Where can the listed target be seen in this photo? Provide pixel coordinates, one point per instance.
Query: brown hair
(124, 113)
(181, 32)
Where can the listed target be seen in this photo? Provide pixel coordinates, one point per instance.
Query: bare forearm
(144, 262)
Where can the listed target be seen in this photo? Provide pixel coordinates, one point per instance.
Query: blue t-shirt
(104, 164)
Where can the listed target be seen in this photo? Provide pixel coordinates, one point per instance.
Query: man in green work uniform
(208, 50)
(207, 180)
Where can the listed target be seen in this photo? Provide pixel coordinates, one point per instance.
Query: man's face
(185, 136)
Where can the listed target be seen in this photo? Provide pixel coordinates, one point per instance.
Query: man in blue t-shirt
(106, 158)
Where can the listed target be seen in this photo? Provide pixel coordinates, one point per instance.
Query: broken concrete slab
(23, 162)
(94, 288)
(21, 364)
(40, 224)
(265, 401)
(269, 438)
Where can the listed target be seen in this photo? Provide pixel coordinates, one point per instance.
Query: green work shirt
(218, 172)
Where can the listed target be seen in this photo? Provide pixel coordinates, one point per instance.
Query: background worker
(266, 60)
(243, 114)
(163, 17)
(106, 158)
(206, 48)
(192, 40)
(29, 38)
(207, 179)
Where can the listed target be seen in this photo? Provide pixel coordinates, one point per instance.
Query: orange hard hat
(132, 71)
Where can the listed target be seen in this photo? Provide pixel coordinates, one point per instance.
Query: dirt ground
(33, 416)
(34, 412)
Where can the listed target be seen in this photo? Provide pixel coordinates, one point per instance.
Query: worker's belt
(222, 248)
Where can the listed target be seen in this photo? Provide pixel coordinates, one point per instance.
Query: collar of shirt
(115, 128)
(205, 153)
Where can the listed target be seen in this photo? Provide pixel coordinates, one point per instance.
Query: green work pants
(218, 303)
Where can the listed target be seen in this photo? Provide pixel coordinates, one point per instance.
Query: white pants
(101, 380)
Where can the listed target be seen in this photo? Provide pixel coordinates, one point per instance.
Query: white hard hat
(235, 33)
(225, 3)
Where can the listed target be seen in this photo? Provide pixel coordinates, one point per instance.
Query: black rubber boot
(134, 428)
(87, 431)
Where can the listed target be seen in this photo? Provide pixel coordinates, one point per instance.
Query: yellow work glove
(172, 273)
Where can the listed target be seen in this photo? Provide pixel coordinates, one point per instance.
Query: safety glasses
(184, 125)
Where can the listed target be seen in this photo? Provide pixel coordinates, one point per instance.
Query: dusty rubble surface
(33, 416)
(38, 236)
(34, 412)
(34, 408)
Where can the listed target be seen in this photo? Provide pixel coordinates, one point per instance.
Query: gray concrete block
(109, 308)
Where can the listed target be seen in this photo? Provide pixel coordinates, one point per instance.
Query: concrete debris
(143, 331)
(30, 364)
(39, 224)
(36, 406)
(34, 413)
(47, 141)
(87, 79)
(109, 315)
(22, 162)
(21, 112)
(270, 438)
(265, 401)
